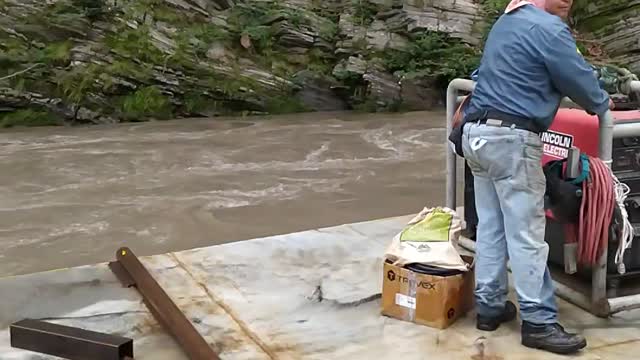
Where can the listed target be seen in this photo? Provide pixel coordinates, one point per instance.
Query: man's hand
(611, 107)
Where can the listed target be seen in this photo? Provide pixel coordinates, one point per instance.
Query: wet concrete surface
(308, 295)
(72, 196)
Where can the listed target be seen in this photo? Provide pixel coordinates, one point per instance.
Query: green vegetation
(127, 70)
(433, 54)
(165, 13)
(74, 85)
(284, 105)
(616, 10)
(492, 10)
(195, 102)
(363, 12)
(328, 31)
(148, 102)
(93, 9)
(57, 53)
(135, 43)
(86, 86)
(326, 10)
(28, 117)
(255, 25)
(198, 38)
(320, 62)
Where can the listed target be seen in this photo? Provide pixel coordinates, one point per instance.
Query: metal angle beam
(68, 342)
(131, 272)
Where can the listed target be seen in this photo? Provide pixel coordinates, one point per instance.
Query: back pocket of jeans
(496, 156)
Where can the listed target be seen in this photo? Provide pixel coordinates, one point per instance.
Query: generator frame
(597, 301)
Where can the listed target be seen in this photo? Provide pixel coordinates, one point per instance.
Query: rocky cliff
(96, 61)
(613, 26)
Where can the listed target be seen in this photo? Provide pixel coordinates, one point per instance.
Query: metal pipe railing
(623, 303)
(599, 303)
(606, 137)
(626, 130)
(452, 97)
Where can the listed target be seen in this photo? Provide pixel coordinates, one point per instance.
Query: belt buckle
(494, 122)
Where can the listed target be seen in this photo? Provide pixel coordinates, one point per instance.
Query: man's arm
(572, 75)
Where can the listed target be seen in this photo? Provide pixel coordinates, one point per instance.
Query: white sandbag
(430, 238)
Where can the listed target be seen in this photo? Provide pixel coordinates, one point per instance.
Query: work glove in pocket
(455, 138)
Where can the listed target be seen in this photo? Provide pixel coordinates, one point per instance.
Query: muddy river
(72, 196)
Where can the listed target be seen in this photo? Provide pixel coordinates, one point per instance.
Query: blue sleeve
(572, 75)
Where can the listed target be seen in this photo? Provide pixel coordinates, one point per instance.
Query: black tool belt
(500, 119)
(490, 118)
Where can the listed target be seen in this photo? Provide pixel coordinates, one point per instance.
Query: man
(529, 64)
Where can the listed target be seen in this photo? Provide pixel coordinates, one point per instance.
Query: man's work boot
(551, 337)
(486, 323)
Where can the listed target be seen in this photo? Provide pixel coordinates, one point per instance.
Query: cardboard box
(435, 301)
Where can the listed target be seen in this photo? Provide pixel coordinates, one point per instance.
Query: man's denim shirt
(530, 62)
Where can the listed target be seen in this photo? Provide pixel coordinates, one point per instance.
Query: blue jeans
(509, 195)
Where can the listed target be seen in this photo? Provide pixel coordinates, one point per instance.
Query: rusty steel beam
(68, 342)
(131, 272)
(122, 274)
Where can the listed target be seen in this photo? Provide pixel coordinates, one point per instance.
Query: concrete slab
(307, 295)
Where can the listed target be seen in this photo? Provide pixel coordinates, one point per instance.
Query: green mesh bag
(434, 227)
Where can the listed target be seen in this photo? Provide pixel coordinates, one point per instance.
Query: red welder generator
(574, 128)
(599, 288)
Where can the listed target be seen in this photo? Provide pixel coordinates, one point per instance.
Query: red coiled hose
(596, 212)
